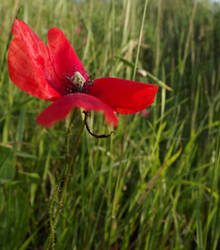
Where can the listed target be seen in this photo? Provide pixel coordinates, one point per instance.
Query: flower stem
(59, 194)
(71, 164)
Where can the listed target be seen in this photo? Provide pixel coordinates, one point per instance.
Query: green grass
(154, 184)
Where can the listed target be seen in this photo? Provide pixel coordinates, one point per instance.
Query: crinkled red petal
(29, 64)
(62, 107)
(123, 96)
(63, 55)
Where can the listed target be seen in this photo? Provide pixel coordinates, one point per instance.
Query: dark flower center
(76, 82)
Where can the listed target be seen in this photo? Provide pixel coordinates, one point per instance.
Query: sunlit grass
(154, 184)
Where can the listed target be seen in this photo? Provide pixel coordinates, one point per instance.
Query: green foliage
(154, 184)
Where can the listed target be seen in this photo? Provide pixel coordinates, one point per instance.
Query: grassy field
(154, 184)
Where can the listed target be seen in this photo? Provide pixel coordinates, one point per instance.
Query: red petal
(61, 108)
(123, 96)
(29, 64)
(64, 57)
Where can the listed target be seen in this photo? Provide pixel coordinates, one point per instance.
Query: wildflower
(55, 73)
(78, 30)
(145, 113)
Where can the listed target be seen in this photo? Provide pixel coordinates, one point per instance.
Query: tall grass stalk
(140, 39)
(154, 184)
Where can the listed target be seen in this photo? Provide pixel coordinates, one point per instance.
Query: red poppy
(55, 73)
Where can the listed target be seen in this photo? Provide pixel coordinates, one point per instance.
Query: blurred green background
(154, 184)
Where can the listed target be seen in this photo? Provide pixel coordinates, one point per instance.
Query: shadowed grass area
(154, 184)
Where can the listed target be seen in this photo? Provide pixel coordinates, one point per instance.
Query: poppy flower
(54, 72)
